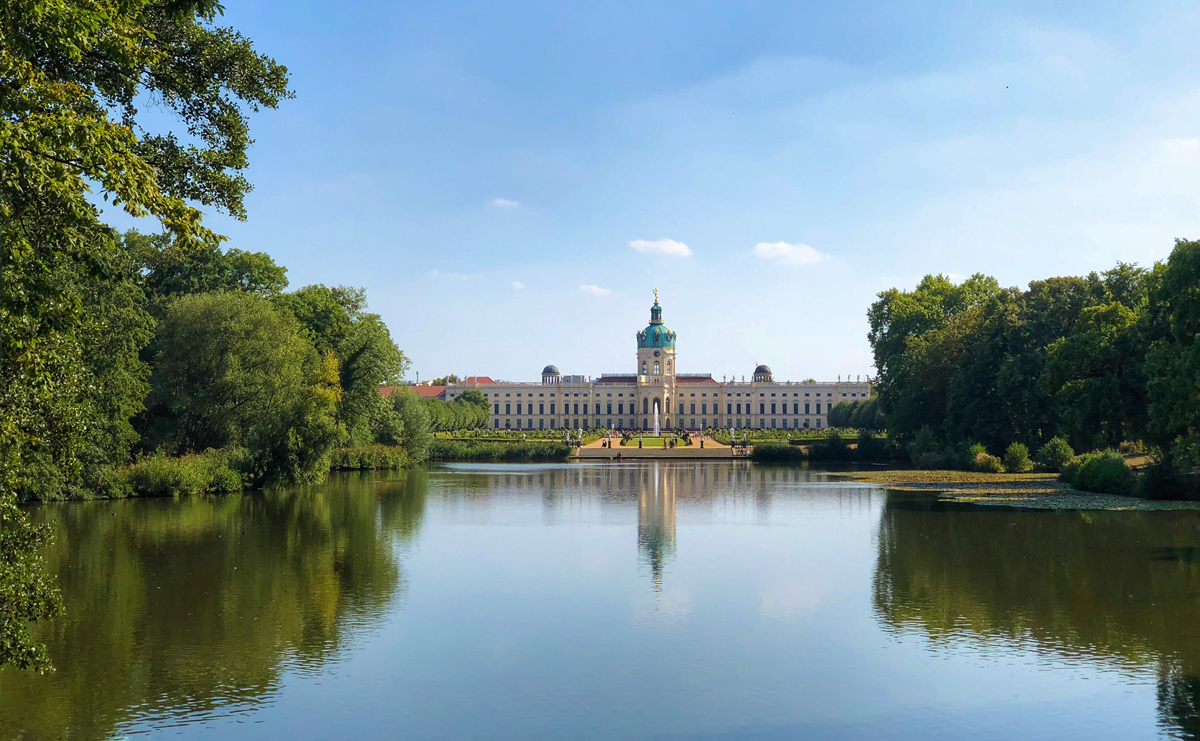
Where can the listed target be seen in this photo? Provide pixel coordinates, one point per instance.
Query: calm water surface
(639, 601)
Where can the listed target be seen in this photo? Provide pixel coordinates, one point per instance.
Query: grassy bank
(369, 458)
(1029, 490)
(495, 452)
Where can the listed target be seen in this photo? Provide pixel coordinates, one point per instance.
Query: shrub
(985, 463)
(1104, 472)
(832, 448)
(776, 453)
(931, 461)
(872, 447)
(369, 458)
(1055, 455)
(1016, 459)
(1132, 447)
(492, 452)
(924, 442)
(210, 472)
(1163, 480)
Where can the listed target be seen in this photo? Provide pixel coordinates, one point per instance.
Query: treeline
(1097, 360)
(858, 415)
(468, 411)
(203, 350)
(77, 315)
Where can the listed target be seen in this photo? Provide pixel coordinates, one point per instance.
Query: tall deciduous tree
(336, 321)
(71, 77)
(230, 370)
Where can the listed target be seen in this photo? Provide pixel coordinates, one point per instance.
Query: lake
(692, 600)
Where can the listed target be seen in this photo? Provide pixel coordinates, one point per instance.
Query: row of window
(739, 423)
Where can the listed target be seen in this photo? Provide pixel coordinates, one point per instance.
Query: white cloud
(595, 290)
(662, 247)
(518, 285)
(955, 277)
(505, 203)
(788, 254)
(451, 276)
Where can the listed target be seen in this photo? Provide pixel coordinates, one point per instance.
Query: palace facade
(691, 401)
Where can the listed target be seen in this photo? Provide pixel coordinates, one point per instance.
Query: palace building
(623, 401)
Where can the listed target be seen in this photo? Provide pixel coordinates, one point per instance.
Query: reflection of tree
(656, 522)
(1114, 585)
(198, 603)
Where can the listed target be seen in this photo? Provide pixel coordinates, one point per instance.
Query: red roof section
(695, 381)
(484, 380)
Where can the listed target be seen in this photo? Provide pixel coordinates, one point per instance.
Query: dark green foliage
(210, 472)
(370, 458)
(230, 370)
(1173, 361)
(470, 411)
(26, 593)
(832, 448)
(872, 447)
(858, 415)
(970, 362)
(409, 424)
(776, 453)
(1055, 455)
(1104, 472)
(1016, 459)
(75, 76)
(485, 452)
(335, 320)
(168, 271)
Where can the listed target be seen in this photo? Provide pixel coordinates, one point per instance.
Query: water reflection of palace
(656, 522)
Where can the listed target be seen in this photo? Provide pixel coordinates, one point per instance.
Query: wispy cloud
(518, 285)
(662, 247)
(505, 203)
(451, 276)
(595, 290)
(788, 254)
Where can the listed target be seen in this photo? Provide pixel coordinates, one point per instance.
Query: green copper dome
(656, 335)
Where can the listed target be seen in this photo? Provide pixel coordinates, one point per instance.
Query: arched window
(643, 367)
(668, 400)
(645, 406)
(668, 367)
(656, 367)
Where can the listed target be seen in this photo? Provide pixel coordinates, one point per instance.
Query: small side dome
(765, 370)
(550, 370)
(762, 374)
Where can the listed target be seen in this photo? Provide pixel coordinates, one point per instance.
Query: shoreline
(1020, 490)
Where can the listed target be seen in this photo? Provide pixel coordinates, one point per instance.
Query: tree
(445, 380)
(1096, 375)
(170, 271)
(412, 423)
(231, 371)
(335, 320)
(72, 76)
(1173, 360)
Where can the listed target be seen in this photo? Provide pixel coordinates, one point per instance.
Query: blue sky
(510, 180)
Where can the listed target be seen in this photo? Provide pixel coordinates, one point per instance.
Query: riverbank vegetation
(832, 448)
(475, 451)
(1095, 362)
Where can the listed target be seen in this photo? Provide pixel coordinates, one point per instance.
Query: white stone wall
(775, 405)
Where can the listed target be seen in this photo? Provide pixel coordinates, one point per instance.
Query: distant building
(684, 400)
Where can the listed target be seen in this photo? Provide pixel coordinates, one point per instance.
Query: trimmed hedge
(776, 453)
(493, 452)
